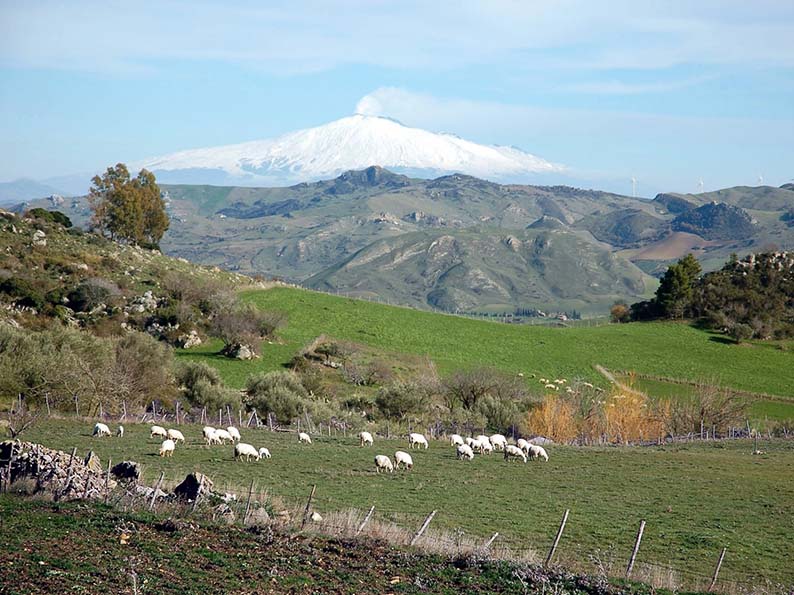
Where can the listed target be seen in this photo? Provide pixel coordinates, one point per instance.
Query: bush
(279, 393)
(620, 312)
(23, 292)
(401, 400)
(741, 332)
(90, 294)
(201, 385)
(50, 216)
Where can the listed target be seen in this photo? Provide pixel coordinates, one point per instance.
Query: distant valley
(461, 243)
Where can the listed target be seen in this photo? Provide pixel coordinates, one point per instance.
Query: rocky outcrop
(67, 477)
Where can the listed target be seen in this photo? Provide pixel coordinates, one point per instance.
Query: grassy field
(761, 410)
(661, 349)
(696, 498)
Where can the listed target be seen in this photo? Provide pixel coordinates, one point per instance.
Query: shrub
(400, 400)
(201, 385)
(279, 393)
(50, 216)
(90, 294)
(23, 292)
(553, 418)
(620, 312)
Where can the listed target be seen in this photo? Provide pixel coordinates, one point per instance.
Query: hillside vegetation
(662, 349)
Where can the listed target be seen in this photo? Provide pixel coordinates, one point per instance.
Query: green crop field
(696, 498)
(661, 349)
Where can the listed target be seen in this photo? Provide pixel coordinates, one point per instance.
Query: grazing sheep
(401, 457)
(222, 436)
(100, 430)
(513, 452)
(316, 517)
(304, 437)
(120, 432)
(234, 433)
(365, 439)
(498, 441)
(469, 440)
(522, 444)
(209, 434)
(176, 436)
(159, 432)
(264, 453)
(456, 439)
(418, 440)
(167, 448)
(241, 449)
(537, 452)
(383, 462)
(551, 386)
(485, 443)
(543, 380)
(464, 451)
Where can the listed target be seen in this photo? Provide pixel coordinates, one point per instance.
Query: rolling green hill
(663, 349)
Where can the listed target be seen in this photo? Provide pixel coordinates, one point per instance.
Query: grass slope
(695, 498)
(661, 349)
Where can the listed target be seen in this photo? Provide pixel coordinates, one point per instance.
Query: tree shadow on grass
(723, 340)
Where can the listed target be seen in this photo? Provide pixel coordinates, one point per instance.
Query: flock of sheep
(465, 447)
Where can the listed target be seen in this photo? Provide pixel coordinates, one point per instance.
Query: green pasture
(696, 498)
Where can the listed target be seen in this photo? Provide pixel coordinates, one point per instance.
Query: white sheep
(469, 440)
(264, 453)
(234, 433)
(418, 440)
(464, 451)
(401, 457)
(537, 452)
(120, 432)
(209, 434)
(552, 386)
(176, 436)
(223, 435)
(456, 439)
(167, 448)
(241, 449)
(100, 430)
(304, 437)
(514, 452)
(159, 432)
(522, 444)
(383, 462)
(485, 443)
(365, 439)
(498, 441)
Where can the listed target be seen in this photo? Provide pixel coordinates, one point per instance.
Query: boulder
(189, 340)
(195, 485)
(127, 470)
(39, 238)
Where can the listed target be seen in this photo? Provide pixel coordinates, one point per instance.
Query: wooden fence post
(308, 506)
(68, 476)
(717, 569)
(124, 410)
(156, 489)
(107, 481)
(248, 502)
(240, 417)
(365, 521)
(491, 540)
(177, 413)
(422, 528)
(47, 402)
(557, 538)
(77, 406)
(220, 416)
(630, 567)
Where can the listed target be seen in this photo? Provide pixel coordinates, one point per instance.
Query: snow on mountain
(354, 142)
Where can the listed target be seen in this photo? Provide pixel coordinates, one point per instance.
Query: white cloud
(283, 36)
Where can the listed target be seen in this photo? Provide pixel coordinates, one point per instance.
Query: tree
(676, 289)
(400, 400)
(130, 210)
(619, 312)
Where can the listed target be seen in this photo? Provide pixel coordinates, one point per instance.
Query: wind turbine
(700, 185)
(633, 187)
(760, 180)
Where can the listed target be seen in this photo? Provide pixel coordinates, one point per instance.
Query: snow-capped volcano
(354, 142)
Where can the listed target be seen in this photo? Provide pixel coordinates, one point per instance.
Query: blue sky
(668, 92)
